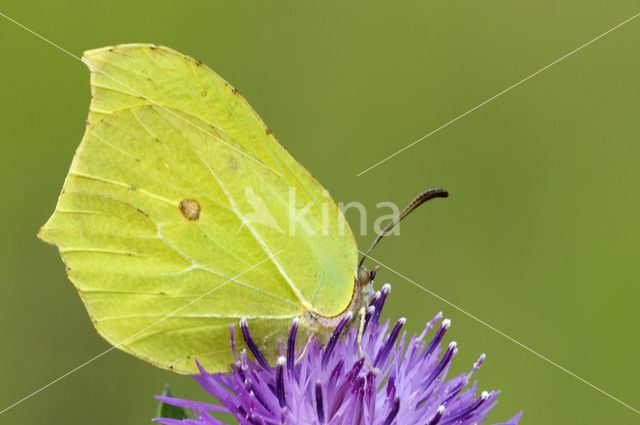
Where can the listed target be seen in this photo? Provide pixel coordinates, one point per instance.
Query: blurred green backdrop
(540, 237)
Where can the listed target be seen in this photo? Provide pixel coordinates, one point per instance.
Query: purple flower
(401, 383)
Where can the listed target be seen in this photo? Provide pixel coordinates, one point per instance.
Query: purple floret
(398, 383)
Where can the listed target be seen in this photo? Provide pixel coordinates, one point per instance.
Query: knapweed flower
(403, 383)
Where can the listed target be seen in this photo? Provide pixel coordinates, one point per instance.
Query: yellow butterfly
(182, 214)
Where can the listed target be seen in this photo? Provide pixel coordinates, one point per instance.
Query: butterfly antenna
(417, 201)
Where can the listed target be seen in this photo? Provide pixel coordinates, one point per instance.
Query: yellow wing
(182, 213)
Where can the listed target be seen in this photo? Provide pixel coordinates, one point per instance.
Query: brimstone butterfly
(182, 214)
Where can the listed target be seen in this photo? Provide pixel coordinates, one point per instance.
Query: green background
(539, 239)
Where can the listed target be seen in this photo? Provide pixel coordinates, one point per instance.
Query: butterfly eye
(190, 209)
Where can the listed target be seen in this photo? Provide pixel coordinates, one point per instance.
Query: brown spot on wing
(190, 209)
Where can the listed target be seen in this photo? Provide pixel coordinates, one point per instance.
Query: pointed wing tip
(88, 55)
(44, 235)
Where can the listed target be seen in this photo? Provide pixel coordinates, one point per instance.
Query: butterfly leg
(362, 313)
(304, 350)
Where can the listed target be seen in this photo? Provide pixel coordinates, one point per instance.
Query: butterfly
(182, 214)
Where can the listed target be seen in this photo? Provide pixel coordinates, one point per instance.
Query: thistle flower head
(398, 381)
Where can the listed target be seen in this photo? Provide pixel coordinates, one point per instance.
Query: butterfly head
(364, 281)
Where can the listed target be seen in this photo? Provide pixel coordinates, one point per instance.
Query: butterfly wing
(182, 213)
